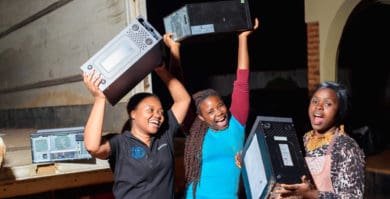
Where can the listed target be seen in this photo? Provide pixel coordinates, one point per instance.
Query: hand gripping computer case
(126, 59)
(208, 18)
(271, 155)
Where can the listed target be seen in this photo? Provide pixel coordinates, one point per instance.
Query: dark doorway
(364, 64)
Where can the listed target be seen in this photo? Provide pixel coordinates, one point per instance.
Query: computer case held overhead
(206, 18)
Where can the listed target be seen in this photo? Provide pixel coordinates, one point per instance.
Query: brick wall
(313, 55)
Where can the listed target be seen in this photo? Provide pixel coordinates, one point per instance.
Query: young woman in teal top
(217, 136)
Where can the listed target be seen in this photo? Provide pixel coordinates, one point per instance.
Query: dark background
(278, 45)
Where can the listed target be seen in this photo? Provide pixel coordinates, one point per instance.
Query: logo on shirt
(161, 146)
(137, 152)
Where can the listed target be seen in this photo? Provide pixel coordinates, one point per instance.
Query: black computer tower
(272, 155)
(208, 18)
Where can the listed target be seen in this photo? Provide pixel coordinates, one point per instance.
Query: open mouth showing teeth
(317, 114)
(317, 118)
(157, 123)
(221, 120)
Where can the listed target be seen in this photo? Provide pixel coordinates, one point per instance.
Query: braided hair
(194, 142)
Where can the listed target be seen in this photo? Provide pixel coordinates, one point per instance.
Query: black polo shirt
(143, 172)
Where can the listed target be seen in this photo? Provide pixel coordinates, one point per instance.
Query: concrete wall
(43, 43)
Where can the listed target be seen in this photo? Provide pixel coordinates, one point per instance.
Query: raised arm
(240, 95)
(243, 55)
(174, 62)
(93, 128)
(180, 96)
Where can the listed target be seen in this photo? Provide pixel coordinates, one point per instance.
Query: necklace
(316, 141)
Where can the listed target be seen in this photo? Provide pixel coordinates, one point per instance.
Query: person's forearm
(176, 89)
(180, 96)
(243, 55)
(175, 64)
(93, 128)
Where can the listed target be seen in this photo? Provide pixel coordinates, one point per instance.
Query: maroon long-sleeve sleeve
(240, 97)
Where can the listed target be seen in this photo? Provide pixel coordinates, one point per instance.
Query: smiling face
(323, 110)
(213, 111)
(147, 117)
